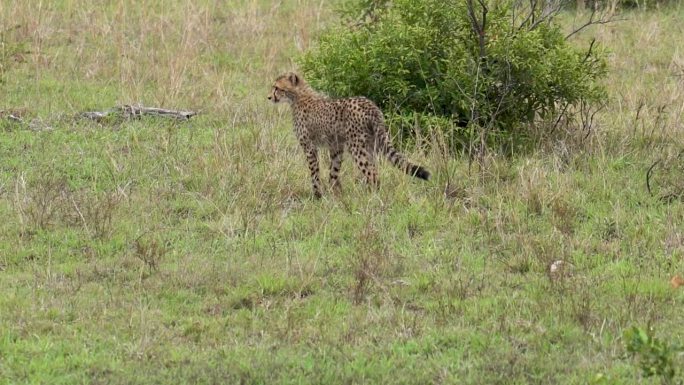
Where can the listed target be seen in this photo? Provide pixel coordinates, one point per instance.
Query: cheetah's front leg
(312, 159)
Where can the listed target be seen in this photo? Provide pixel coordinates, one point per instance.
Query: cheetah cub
(355, 124)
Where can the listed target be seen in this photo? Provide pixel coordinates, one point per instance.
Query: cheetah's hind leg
(336, 154)
(365, 162)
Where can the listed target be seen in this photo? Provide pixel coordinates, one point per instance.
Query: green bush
(424, 58)
(655, 357)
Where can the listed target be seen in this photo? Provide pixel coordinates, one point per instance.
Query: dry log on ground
(136, 111)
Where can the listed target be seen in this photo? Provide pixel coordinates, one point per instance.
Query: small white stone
(556, 266)
(559, 269)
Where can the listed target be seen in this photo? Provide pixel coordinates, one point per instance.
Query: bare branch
(648, 176)
(15, 115)
(136, 111)
(548, 13)
(594, 19)
(588, 123)
(530, 15)
(15, 118)
(479, 26)
(545, 11)
(560, 116)
(370, 14)
(589, 51)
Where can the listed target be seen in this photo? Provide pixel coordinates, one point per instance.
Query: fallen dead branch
(137, 111)
(125, 112)
(15, 115)
(19, 117)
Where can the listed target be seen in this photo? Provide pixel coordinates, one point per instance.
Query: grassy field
(154, 252)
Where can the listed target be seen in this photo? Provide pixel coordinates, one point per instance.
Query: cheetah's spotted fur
(355, 124)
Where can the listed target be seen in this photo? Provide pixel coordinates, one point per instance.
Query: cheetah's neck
(305, 94)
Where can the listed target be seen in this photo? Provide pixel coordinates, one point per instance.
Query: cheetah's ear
(294, 79)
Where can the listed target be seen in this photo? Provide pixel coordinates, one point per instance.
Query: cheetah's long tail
(399, 160)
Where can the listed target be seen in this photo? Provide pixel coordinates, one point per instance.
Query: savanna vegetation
(471, 71)
(154, 251)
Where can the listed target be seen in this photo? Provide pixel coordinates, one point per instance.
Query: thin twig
(593, 21)
(648, 176)
(548, 13)
(589, 123)
(589, 51)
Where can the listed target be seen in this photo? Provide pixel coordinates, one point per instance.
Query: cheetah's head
(284, 87)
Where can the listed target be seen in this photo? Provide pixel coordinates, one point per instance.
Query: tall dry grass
(209, 55)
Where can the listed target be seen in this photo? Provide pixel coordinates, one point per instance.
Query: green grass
(159, 252)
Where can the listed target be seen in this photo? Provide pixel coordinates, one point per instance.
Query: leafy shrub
(425, 57)
(654, 356)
